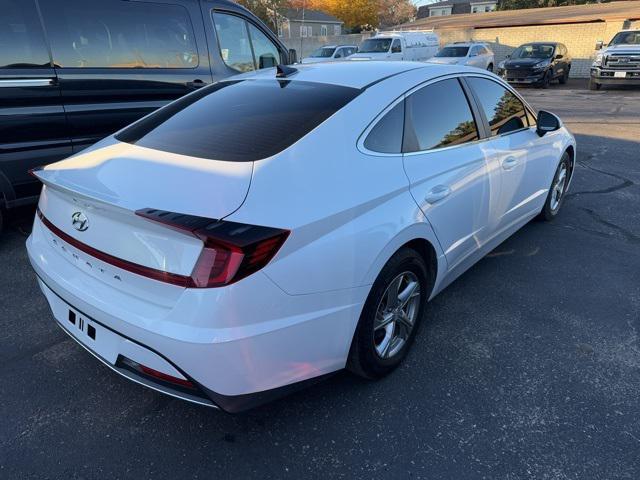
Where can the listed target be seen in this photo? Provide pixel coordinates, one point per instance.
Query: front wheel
(391, 315)
(564, 77)
(593, 85)
(558, 189)
(546, 80)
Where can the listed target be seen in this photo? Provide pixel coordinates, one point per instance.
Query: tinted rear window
(239, 121)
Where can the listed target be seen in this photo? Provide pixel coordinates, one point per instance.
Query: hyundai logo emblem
(79, 221)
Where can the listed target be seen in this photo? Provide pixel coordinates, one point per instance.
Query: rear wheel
(391, 315)
(593, 85)
(558, 189)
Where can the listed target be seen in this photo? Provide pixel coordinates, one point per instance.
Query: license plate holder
(620, 74)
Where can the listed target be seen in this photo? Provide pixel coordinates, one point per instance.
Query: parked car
(95, 66)
(330, 53)
(619, 63)
(274, 228)
(462, 53)
(537, 64)
(408, 46)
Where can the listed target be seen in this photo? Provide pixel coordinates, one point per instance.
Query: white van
(410, 46)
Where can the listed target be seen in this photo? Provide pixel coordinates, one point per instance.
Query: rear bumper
(240, 345)
(606, 76)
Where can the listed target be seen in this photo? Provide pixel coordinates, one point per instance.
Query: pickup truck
(619, 62)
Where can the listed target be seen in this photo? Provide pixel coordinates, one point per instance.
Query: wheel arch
(421, 238)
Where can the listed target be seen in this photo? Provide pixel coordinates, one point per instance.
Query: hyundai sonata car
(268, 230)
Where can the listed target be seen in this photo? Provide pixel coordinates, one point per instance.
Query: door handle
(437, 193)
(509, 163)
(197, 83)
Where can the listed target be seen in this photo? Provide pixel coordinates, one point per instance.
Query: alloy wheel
(558, 188)
(396, 314)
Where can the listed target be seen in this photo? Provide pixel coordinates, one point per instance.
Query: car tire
(593, 85)
(490, 67)
(558, 189)
(546, 81)
(565, 76)
(386, 329)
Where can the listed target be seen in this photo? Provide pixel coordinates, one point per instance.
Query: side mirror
(507, 56)
(599, 45)
(559, 56)
(293, 56)
(547, 122)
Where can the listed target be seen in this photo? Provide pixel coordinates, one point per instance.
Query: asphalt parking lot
(529, 365)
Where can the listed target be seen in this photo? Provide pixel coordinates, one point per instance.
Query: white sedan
(270, 229)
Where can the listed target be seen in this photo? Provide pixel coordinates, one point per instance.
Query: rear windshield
(239, 121)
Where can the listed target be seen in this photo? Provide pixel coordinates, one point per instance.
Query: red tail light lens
(232, 251)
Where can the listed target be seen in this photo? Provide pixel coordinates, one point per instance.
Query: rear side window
(505, 112)
(239, 121)
(117, 34)
(21, 39)
(243, 46)
(438, 115)
(386, 136)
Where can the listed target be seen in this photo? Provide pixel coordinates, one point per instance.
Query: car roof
(354, 73)
(541, 43)
(464, 44)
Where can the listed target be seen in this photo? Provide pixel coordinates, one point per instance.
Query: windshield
(453, 52)
(375, 45)
(239, 121)
(626, 38)
(324, 52)
(533, 51)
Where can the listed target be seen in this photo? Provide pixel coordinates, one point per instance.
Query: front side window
(438, 115)
(504, 111)
(386, 136)
(239, 121)
(116, 34)
(21, 38)
(234, 42)
(266, 53)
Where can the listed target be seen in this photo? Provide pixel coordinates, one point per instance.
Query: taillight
(231, 250)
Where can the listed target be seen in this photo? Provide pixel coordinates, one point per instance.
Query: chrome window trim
(498, 80)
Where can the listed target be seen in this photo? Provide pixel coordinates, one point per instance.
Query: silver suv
(465, 53)
(619, 63)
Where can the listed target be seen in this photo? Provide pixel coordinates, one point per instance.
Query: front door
(33, 128)
(450, 173)
(523, 157)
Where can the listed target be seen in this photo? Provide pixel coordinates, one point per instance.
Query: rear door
(119, 60)
(32, 121)
(524, 158)
(452, 178)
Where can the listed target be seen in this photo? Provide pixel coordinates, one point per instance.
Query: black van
(75, 71)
